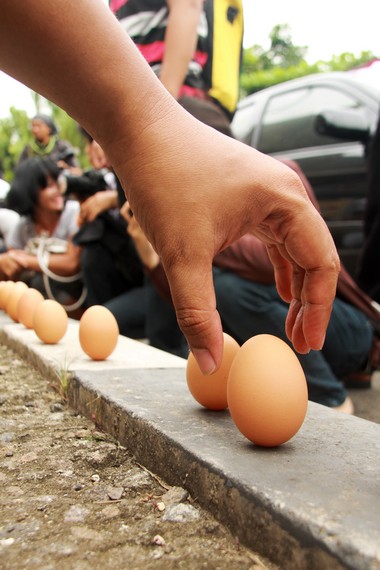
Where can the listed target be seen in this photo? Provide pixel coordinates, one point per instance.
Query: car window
(245, 121)
(288, 120)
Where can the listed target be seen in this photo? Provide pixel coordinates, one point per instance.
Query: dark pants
(368, 276)
(248, 308)
(129, 309)
(369, 264)
(142, 313)
(102, 277)
(207, 112)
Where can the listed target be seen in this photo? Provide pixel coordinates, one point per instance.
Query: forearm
(79, 71)
(77, 55)
(180, 42)
(100, 202)
(61, 264)
(110, 199)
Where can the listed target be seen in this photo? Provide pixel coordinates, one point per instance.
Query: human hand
(96, 204)
(193, 190)
(11, 264)
(96, 155)
(143, 246)
(194, 193)
(73, 170)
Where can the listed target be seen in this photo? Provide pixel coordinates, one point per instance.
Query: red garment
(220, 34)
(248, 258)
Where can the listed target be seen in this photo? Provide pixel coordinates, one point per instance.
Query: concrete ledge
(313, 503)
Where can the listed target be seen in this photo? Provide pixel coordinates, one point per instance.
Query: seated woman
(36, 196)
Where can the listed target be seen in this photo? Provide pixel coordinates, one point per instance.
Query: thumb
(193, 294)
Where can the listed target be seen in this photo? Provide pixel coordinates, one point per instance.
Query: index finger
(193, 295)
(306, 277)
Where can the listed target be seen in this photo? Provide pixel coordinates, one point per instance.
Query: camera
(66, 155)
(84, 185)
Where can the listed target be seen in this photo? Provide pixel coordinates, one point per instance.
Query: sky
(326, 27)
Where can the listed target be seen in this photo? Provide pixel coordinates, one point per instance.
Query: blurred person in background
(109, 262)
(46, 142)
(111, 266)
(153, 145)
(142, 312)
(44, 213)
(194, 47)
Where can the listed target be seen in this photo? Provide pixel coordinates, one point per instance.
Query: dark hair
(48, 121)
(85, 133)
(30, 177)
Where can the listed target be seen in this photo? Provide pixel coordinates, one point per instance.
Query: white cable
(43, 261)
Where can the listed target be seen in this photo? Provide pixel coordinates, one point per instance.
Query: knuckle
(193, 322)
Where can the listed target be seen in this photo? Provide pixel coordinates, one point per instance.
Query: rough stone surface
(312, 503)
(61, 510)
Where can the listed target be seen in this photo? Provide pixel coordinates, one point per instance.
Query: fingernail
(205, 361)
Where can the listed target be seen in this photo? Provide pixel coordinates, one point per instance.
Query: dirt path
(73, 499)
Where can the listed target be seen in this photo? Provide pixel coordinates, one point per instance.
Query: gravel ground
(73, 499)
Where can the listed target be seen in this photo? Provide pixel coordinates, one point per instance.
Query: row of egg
(261, 383)
(98, 328)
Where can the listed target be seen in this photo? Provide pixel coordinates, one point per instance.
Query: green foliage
(260, 68)
(283, 61)
(13, 131)
(282, 53)
(348, 60)
(15, 134)
(68, 130)
(256, 80)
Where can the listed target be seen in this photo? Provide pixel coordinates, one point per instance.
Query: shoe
(347, 407)
(358, 380)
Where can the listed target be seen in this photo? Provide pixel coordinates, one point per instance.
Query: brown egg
(5, 292)
(27, 304)
(13, 298)
(2, 283)
(50, 321)
(98, 332)
(267, 391)
(211, 391)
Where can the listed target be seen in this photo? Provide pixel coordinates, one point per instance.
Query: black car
(324, 122)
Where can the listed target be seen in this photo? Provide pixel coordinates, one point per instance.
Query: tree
(282, 52)
(283, 61)
(15, 134)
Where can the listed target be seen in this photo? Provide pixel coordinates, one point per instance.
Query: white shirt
(66, 227)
